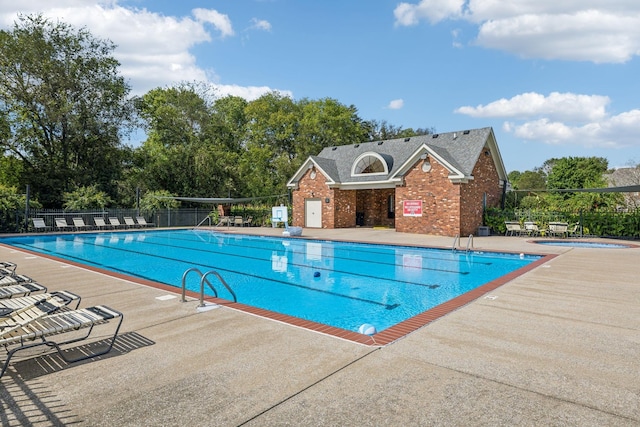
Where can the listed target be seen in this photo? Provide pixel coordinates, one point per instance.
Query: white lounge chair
(115, 222)
(39, 224)
(50, 330)
(100, 223)
(143, 222)
(78, 224)
(62, 224)
(129, 222)
(513, 228)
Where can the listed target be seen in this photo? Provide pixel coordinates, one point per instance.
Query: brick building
(432, 184)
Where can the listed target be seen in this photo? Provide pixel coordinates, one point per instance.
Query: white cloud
(557, 106)
(396, 104)
(247, 92)
(220, 21)
(260, 24)
(433, 10)
(154, 49)
(563, 119)
(588, 30)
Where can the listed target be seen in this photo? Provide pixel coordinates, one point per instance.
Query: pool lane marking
(118, 270)
(441, 270)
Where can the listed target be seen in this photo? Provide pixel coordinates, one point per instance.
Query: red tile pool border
(383, 338)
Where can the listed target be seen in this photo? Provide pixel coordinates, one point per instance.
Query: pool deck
(558, 345)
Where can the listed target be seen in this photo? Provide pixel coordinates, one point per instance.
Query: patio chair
(100, 223)
(39, 224)
(20, 290)
(114, 222)
(513, 228)
(11, 278)
(8, 267)
(62, 224)
(51, 330)
(223, 220)
(575, 230)
(560, 229)
(531, 228)
(13, 309)
(78, 224)
(129, 222)
(238, 221)
(247, 222)
(143, 222)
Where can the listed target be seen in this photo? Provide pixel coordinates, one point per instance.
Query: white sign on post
(279, 214)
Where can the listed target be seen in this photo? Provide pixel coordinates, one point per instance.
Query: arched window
(370, 164)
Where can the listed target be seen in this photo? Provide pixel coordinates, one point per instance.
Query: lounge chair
(129, 222)
(513, 228)
(560, 229)
(39, 224)
(62, 224)
(238, 221)
(12, 307)
(531, 228)
(247, 222)
(575, 230)
(8, 267)
(78, 224)
(114, 222)
(13, 279)
(223, 220)
(291, 231)
(100, 223)
(143, 222)
(50, 330)
(21, 290)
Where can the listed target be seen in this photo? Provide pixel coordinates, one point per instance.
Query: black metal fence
(16, 221)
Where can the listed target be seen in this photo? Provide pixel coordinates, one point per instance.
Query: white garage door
(313, 213)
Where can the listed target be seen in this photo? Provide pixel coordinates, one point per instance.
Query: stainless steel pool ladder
(456, 241)
(203, 280)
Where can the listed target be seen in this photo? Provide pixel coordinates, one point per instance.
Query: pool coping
(388, 336)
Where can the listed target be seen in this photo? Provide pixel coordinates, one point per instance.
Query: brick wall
(312, 188)
(440, 201)
(486, 181)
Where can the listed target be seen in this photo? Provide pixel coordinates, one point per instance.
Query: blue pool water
(335, 283)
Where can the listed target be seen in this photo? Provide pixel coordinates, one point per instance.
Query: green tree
(579, 173)
(191, 147)
(65, 105)
(86, 198)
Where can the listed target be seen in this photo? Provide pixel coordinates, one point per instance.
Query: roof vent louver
(334, 148)
(356, 146)
(466, 132)
(407, 139)
(380, 142)
(435, 135)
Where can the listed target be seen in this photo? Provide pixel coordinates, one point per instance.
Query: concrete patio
(557, 346)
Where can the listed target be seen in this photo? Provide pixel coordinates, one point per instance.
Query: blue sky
(552, 78)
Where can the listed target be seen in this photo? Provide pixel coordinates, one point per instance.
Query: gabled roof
(457, 151)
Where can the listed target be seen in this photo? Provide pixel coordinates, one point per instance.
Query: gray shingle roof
(459, 149)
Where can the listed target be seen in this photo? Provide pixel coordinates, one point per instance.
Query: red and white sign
(412, 208)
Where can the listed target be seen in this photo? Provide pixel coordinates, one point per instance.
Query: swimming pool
(341, 284)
